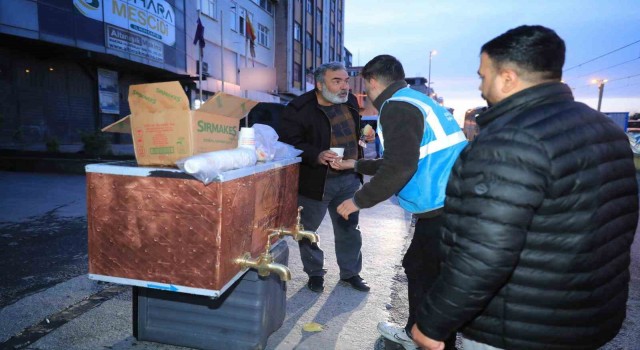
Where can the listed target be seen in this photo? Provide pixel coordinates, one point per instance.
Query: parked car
(470, 127)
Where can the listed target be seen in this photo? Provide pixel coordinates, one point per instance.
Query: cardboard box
(165, 130)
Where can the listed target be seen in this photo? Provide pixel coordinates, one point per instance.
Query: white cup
(338, 150)
(247, 138)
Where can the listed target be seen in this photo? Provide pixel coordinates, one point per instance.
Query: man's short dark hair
(385, 68)
(534, 49)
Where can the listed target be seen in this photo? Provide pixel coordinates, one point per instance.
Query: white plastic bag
(268, 147)
(266, 138)
(634, 141)
(285, 151)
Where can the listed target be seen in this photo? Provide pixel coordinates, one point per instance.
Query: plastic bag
(634, 141)
(268, 147)
(285, 151)
(266, 139)
(206, 167)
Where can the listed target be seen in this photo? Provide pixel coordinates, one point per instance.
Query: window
(296, 31)
(333, 5)
(263, 35)
(308, 41)
(339, 16)
(241, 20)
(332, 54)
(233, 17)
(310, 6)
(318, 17)
(209, 8)
(265, 4)
(309, 75)
(332, 32)
(297, 72)
(318, 49)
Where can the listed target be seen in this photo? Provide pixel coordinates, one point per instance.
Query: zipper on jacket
(326, 173)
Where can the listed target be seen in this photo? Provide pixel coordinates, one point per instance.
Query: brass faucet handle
(299, 226)
(267, 247)
(242, 259)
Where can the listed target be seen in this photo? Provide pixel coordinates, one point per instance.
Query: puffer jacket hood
(541, 211)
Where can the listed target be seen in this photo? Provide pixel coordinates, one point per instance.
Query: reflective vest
(442, 142)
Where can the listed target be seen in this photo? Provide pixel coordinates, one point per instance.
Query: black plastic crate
(242, 318)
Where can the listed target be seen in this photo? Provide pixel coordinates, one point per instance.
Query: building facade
(356, 84)
(66, 65)
(308, 34)
(228, 52)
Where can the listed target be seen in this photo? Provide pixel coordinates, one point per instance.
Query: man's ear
(373, 82)
(510, 81)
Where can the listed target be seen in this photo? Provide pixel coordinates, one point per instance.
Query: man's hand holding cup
(332, 155)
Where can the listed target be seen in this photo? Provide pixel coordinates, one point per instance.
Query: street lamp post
(600, 83)
(431, 53)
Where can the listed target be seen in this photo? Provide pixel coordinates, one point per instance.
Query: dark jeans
(421, 264)
(347, 238)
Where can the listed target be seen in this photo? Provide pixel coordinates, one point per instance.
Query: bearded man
(314, 122)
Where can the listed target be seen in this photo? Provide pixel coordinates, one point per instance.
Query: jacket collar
(388, 92)
(533, 96)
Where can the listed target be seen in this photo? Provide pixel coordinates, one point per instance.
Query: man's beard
(333, 98)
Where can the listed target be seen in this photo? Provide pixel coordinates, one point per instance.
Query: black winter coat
(541, 210)
(305, 126)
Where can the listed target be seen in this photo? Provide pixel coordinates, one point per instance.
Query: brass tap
(265, 265)
(298, 231)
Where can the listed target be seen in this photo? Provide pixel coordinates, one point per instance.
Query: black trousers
(421, 264)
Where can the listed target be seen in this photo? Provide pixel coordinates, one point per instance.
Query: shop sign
(133, 43)
(154, 19)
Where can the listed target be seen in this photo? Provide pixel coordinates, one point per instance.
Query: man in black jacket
(314, 122)
(540, 213)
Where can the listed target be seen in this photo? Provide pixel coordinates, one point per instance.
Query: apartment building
(239, 39)
(308, 33)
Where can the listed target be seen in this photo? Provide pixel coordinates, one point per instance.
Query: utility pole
(431, 53)
(600, 83)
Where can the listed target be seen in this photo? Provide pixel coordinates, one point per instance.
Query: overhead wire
(608, 82)
(615, 88)
(603, 55)
(600, 70)
(630, 76)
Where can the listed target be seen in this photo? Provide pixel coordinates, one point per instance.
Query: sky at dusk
(457, 29)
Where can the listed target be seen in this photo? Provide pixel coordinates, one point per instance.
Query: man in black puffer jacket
(541, 210)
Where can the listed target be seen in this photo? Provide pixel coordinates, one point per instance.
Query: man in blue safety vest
(420, 142)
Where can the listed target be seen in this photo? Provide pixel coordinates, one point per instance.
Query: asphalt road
(43, 226)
